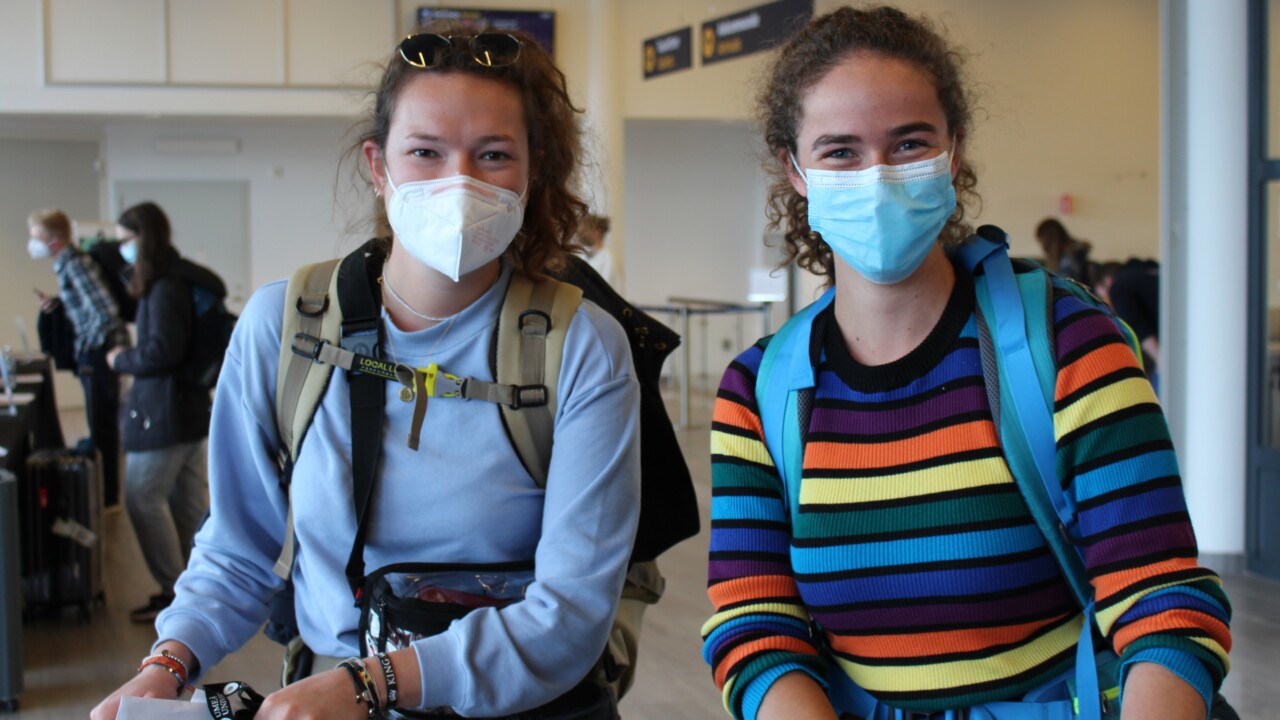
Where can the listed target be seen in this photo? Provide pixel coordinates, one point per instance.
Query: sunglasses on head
(429, 50)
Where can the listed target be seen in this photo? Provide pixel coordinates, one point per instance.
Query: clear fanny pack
(408, 602)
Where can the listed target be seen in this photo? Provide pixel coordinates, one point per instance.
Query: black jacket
(668, 503)
(162, 410)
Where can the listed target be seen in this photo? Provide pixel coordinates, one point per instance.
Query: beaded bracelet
(389, 676)
(366, 691)
(185, 670)
(173, 665)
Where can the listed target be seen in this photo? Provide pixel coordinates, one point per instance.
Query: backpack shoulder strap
(360, 306)
(535, 317)
(1016, 330)
(310, 308)
(785, 375)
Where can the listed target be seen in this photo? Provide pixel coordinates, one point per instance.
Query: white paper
(132, 708)
(27, 378)
(67, 528)
(18, 399)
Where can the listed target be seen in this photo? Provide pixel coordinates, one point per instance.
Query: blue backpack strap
(786, 369)
(1026, 377)
(786, 372)
(1017, 310)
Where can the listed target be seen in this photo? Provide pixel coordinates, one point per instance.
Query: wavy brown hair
(554, 209)
(803, 61)
(155, 247)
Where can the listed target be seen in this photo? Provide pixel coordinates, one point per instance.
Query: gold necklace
(386, 283)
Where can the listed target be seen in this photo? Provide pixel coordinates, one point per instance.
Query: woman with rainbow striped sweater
(910, 568)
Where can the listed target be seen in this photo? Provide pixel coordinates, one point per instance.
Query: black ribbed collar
(915, 364)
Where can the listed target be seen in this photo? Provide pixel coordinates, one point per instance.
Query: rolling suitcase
(10, 596)
(62, 514)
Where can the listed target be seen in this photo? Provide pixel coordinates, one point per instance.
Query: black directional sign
(668, 53)
(753, 29)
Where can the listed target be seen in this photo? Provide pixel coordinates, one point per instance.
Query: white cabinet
(90, 41)
(334, 42)
(223, 43)
(227, 42)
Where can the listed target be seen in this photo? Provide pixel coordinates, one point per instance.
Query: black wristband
(366, 692)
(355, 680)
(389, 675)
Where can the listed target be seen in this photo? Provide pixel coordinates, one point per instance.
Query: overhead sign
(668, 53)
(753, 30)
(541, 24)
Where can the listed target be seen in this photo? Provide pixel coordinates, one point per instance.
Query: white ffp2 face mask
(37, 249)
(456, 224)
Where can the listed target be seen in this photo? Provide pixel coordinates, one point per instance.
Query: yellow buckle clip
(450, 385)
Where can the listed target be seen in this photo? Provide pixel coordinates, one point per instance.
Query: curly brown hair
(554, 209)
(803, 61)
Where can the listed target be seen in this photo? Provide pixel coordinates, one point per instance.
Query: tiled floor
(70, 666)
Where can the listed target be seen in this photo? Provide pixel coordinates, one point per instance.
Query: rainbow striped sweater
(913, 550)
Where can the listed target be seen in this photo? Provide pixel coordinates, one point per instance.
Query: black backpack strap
(361, 323)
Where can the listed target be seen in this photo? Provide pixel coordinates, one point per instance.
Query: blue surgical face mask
(883, 220)
(129, 251)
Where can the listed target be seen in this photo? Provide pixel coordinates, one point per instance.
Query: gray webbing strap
(306, 311)
(535, 324)
(531, 373)
(419, 409)
(307, 301)
(474, 389)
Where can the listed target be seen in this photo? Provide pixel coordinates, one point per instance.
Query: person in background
(591, 237)
(167, 419)
(906, 570)
(1104, 273)
(85, 296)
(1064, 254)
(472, 146)
(1133, 291)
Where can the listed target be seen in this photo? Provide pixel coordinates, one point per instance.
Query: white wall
(302, 206)
(695, 223)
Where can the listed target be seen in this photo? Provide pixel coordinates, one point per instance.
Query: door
(210, 221)
(1263, 504)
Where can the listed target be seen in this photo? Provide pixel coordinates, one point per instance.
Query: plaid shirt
(88, 302)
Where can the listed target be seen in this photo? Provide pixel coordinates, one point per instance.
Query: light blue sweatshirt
(462, 497)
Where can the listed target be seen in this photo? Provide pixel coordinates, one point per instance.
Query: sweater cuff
(1179, 662)
(442, 671)
(753, 694)
(191, 630)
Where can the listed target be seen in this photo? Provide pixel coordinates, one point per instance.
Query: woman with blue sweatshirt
(471, 148)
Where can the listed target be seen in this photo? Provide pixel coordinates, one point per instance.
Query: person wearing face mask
(591, 238)
(887, 563)
(471, 149)
(166, 418)
(84, 295)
